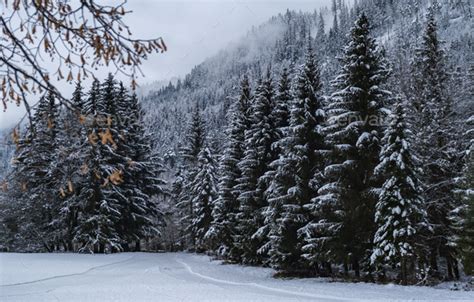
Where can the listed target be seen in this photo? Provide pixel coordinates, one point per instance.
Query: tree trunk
(456, 269)
(137, 246)
(449, 268)
(434, 263)
(126, 247)
(356, 267)
(346, 268)
(404, 271)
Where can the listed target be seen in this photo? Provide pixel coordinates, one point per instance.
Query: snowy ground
(178, 277)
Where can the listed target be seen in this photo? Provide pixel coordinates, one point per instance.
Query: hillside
(281, 42)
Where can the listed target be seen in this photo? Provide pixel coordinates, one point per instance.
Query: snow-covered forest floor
(179, 277)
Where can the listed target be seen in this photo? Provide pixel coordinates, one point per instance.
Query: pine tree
(437, 145)
(32, 174)
(355, 127)
(179, 194)
(226, 206)
(463, 215)
(46, 189)
(195, 140)
(195, 137)
(274, 176)
(258, 154)
(466, 223)
(67, 165)
(282, 108)
(141, 181)
(321, 32)
(15, 216)
(400, 210)
(292, 185)
(203, 196)
(100, 209)
(334, 36)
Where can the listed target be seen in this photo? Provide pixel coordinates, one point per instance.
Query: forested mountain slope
(281, 41)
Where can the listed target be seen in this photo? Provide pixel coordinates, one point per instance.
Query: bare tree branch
(75, 36)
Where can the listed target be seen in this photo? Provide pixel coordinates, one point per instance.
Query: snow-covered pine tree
(195, 140)
(355, 126)
(321, 32)
(141, 182)
(466, 224)
(463, 215)
(400, 213)
(292, 186)
(34, 186)
(132, 204)
(67, 164)
(258, 154)
(437, 145)
(203, 190)
(47, 190)
(334, 35)
(100, 208)
(283, 102)
(178, 193)
(14, 212)
(275, 176)
(226, 206)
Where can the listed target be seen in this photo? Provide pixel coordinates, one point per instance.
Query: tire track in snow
(268, 288)
(68, 275)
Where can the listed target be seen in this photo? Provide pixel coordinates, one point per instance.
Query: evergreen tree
(141, 180)
(321, 32)
(226, 206)
(100, 209)
(334, 36)
(67, 164)
(281, 115)
(203, 195)
(463, 215)
(251, 186)
(282, 108)
(400, 211)
(292, 185)
(179, 195)
(437, 145)
(32, 176)
(195, 137)
(466, 223)
(195, 140)
(355, 127)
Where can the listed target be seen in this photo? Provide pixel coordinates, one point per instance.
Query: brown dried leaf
(116, 177)
(62, 193)
(4, 186)
(84, 169)
(70, 186)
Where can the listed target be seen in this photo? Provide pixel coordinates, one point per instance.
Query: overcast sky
(192, 29)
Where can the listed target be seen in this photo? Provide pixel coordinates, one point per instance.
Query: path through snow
(178, 277)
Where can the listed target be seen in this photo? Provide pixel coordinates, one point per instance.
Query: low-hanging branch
(76, 37)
